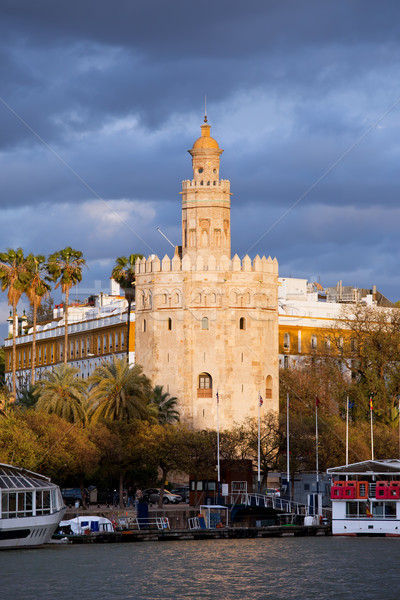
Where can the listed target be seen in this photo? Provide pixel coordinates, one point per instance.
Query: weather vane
(205, 109)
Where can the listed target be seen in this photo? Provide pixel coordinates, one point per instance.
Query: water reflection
(289, 568)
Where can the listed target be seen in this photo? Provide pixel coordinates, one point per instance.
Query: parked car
(152, 495)
(273, 492)
(73, 495)
(183, 492)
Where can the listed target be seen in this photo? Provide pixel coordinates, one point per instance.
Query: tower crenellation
(153, 264)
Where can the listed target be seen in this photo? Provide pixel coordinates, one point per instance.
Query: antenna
(205, 109)
(164, 236)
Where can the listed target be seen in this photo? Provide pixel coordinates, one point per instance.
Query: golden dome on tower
(205, 141)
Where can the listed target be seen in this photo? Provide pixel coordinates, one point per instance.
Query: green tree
(4, 401)
(65, 267)
(120, 393)
(241, 442)
(368, 344)
(124, 274)
(2, 366)
(164, 447)
(44, 310)
(12, 270)
(36, 288)
(48, 444)
(166, 406)
(62, 393)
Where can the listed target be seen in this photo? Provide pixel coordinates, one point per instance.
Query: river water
(280, 568)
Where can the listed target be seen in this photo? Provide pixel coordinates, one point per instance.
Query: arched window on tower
(268, 386)
(204, 388)
(242, 323)
(169, 324)
(144, 325)
(204, 323)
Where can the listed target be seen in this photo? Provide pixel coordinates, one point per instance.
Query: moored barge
(366, 498)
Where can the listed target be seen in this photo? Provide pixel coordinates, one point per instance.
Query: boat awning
(368, 467)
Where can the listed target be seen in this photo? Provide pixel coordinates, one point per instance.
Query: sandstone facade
(206, 322)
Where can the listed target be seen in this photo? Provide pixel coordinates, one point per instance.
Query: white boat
(31, 508)
(366, 498)
(86, 524)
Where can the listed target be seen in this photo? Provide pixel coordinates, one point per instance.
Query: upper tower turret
(206, 202)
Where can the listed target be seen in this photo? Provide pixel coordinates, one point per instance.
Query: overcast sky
(100, 101)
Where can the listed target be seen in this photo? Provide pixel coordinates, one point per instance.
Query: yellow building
(97, 331)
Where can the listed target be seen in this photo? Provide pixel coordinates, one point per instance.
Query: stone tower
(206, 203)
(206, 322)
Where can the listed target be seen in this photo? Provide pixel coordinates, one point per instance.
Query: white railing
(194, 523)
(277, 503)
(147, 523)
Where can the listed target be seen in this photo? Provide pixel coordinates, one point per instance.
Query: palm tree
(37, 288)
(120, 393)
(124, 274)
(12, 269)
(166, 406)
(62, 393)
(66, 267)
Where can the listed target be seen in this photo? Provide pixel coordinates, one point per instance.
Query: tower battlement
(217, 184)
(153, 264)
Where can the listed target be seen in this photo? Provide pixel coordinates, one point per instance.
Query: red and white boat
(366, 498)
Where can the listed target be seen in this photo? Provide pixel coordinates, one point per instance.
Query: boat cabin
(365, 498)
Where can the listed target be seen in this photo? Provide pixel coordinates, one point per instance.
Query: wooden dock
(163, 535)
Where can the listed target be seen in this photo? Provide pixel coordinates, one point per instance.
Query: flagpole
(316, 438)
(371, 408)
(399, 427)
(218, 464)
(316, 502)
(287, 447)
(347, 431)
(258, 448)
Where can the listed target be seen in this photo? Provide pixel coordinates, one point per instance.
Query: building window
(327, 344)
(353, 344)
(285, 362)
(105, 343)
(268, 386)
(169, 324)
(299, 340)
(314, 342)
(98, 344)
(204, 389)
(110, 341)
(122, 339)
(286, 341)
(242, 323)
(144, 325)
(204, 323)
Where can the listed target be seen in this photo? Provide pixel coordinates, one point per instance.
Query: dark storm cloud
(100, 101)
